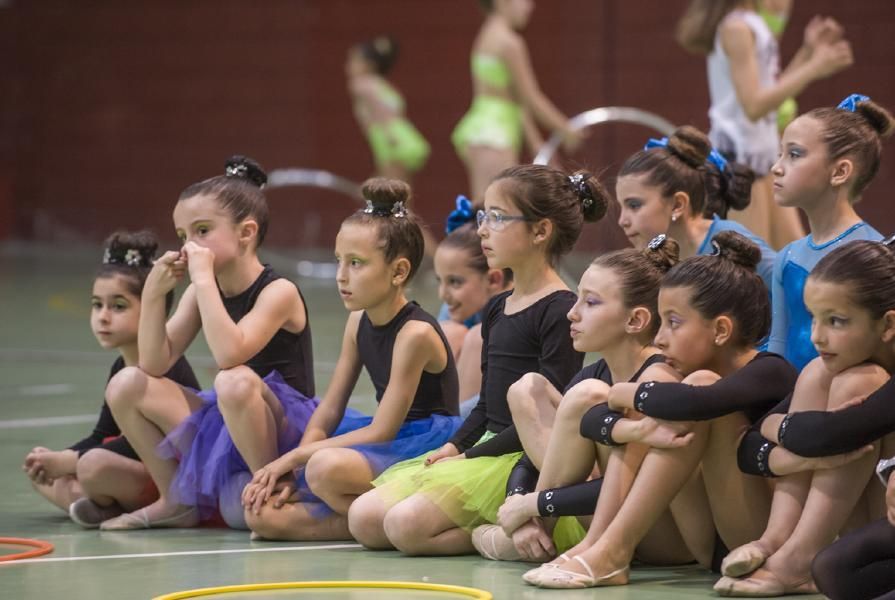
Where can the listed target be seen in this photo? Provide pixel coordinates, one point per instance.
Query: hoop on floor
(40, 548)
(465, 592)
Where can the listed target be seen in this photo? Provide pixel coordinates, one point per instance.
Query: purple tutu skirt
(413, 439)
(209, 458)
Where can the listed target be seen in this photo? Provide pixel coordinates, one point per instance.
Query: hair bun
(737, 248)
(243, 167)
(592, 194)
(663, 252)
(690, 145)
(876, 116)
(133, 249)
(385, 196)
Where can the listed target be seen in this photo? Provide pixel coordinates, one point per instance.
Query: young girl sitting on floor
(101, 476)
(379, 250)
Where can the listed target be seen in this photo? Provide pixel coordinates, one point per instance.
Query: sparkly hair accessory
(578, 183)
(130, 257)
(716, 248)
(396, 210)
(851, 103)
(654, 143)
(461, 215)
(657, 242)
(237, 170)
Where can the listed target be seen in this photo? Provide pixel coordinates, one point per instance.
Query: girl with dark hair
(465, 284)
(714, 310)
(200, 447)
(617, 317)
(399, 150)
(679, 186)
(532, 216)
(828, 157)
(101, 476)
(743, 65)
(507, 99)
(379, 249)
(817, 491)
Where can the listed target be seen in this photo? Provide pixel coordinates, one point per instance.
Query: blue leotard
(791, 324)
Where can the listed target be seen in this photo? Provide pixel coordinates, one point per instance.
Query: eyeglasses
(496, 221)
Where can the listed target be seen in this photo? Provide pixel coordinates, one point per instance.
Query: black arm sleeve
(820, 433)
(598, 422)
(754, 450)
(503, 443)
(571, 500)
(523, 478)
(759, 384)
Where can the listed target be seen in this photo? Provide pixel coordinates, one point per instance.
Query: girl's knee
(236, 387)
(582, 397)
(522, 393)
(126, 386)
(93, 466)
(405, 527)
(365, 520)
(324, 467)
(701, 377)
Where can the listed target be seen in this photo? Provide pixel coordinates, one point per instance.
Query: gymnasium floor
(51, 380)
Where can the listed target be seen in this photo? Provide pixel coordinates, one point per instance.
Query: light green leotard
(396, 140)
(490, 121)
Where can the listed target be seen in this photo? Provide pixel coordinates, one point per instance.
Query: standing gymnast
(617, 317)
(399, 150)
(101, 476)
(849, 294)
(714, 310)
(745, 90)
(379, 249)
(506, 96)
(828, 157)
(199, 446)
(532, 216)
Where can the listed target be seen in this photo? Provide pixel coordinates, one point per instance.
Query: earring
(673, 218)
(717, 341)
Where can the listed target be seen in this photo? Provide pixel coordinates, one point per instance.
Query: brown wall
(108, 109)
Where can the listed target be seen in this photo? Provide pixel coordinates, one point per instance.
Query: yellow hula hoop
(466, 592)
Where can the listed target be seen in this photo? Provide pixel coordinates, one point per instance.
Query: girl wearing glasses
(532, 216)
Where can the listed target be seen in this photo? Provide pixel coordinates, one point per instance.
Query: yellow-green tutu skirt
(490, 121)
(469, 490)
(398, 141)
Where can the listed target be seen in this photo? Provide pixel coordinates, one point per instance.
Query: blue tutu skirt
(413, 439)
(209, 458)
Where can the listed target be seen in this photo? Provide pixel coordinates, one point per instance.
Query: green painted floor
(51, 367)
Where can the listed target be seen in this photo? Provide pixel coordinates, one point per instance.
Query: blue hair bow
(851, 103)
(714, 156)
(461, 215)
(717, 159)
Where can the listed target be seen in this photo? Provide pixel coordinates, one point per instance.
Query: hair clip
(461, 215)
(577, 181)
(889, 241)
(398, 209)
(132, 258)
(238, 170)
(717, 159)
(657, 242)
(716, 248)
(654, 143)
(851, 103)
(368, 209)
